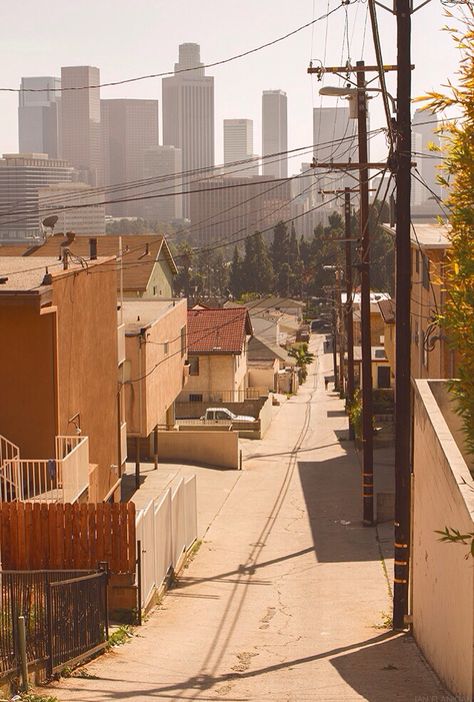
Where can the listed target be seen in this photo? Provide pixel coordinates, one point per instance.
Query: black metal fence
(65, 616)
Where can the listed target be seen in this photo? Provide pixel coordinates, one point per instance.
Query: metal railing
(60, 479)
(8, 450)
(79, 625)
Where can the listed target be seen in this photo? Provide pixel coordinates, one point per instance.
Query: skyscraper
(165, 163)
(334, 138)
(80, 120)
(423, 197)
(39, 115)
(274, 133)
(188, 111)
(21, 176)
(238, 146)
(129, 128)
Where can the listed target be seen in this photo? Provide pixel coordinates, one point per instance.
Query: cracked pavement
(284, 599)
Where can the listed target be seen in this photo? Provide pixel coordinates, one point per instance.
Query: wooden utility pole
(349, 315)
(366, 342)
(403, 291)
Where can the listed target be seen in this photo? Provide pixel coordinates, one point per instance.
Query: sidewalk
(285, 599)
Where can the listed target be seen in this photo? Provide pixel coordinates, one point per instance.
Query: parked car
(213, 414)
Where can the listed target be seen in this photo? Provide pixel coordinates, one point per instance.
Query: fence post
(104, 568)
(22, 652)
(139, 582)
(49, 630)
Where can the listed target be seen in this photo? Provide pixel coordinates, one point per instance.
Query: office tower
(334, 138)
(274, 133)
(424, 197)
(129, 128)
(39, 116)
(254, 205)
(83, 220)
(80, 122)
(21, 175)
(238, 146)
(163, 163)
(188, 113)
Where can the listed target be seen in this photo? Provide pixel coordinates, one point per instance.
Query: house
(431, 356)
(59, 364)
(381, 370)
(155, 369)
(387, 311)
(377, 325)
(147, 268)
(217, 354)
(270, 368)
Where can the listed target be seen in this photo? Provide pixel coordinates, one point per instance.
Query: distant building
(238, 146)
(274, 133)
(80, 122)
(39, 116)
(21, 175)
(53, 199)
(163, 163)
(129, 128)
(188, 112)
(424, 196)
(249, 203)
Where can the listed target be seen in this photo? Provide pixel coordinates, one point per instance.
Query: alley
(286, 598)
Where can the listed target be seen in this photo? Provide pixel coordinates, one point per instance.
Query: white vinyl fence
(166, 528)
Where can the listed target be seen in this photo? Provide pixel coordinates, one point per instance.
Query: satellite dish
(50, 222)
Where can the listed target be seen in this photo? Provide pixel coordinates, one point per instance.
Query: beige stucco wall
(216, 448)
(263, 374)
(161, 280)
(442, 578)
(162, 373)
(221, 377)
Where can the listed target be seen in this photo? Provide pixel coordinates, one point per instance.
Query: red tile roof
(218, 330)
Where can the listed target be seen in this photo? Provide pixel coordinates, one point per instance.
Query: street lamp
(351, 95)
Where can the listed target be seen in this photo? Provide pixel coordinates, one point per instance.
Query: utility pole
(349, 315)
(366, 342)
(340, 332)
(402, 10)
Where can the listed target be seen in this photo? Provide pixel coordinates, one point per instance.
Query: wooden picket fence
(60, 536)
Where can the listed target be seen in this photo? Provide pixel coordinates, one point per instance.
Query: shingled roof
(140, 253)
(218, 331)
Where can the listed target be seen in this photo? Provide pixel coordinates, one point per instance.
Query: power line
(183, 70)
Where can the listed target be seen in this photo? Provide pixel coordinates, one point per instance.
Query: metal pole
(403, 290)
(334, 344)
(137, 462)
(349, 315)
(366, 344)
(22, 652)
(155, 446)
(139, 583)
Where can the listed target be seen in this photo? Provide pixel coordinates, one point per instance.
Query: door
(383, 377)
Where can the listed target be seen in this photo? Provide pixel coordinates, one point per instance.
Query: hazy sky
(125, 38)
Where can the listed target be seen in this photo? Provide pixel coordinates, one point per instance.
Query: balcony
(121, 344)
(61, 479)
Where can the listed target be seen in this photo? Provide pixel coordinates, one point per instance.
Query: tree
(458, 316)
(235, 279)
(303, 358)
(284, 280)
(280, 248)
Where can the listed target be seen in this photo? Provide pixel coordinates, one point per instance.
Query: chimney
(93, 249)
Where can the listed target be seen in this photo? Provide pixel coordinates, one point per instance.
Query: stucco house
(217, 355)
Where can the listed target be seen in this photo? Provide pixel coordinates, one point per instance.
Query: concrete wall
(265, 417)
(160, 388)
(263, 374)
(219, 448)
(442, 578)
(87, 364)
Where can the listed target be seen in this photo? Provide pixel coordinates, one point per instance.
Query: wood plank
(60, 535)
(99, 553)
(83, 545)
(92, 531)
(69, 537)
(20, 530)
(123, 541)
(28, 533)
(115, 564)
(7, 543)
(44, 533)
(107, 556)
(36, 556)
(132, 537)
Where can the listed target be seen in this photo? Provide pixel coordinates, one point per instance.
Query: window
(195, 398)
(183, 341)
(425, 274)
(194, 365)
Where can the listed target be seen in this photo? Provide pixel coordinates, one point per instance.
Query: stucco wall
(164, 371)
(161, 280)
(217, 448)
(87, 364)
(263, 374)
(442, 579)
(216, 376)
(28, 405)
